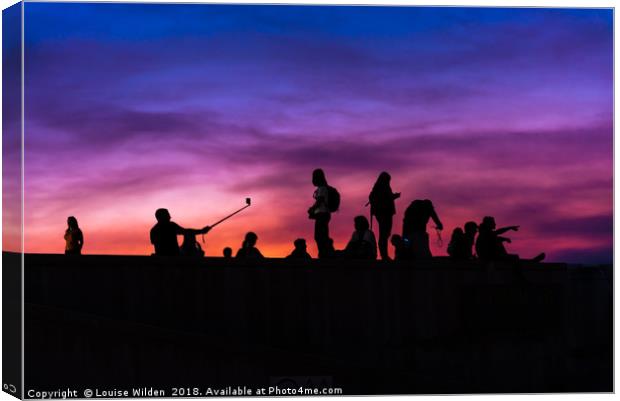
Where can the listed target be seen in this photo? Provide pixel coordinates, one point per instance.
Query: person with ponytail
(74, 239)
(383, 208)
(248, 249)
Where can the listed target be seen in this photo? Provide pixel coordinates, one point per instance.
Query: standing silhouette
(248, 249)
(300, 251)
(363, 244)
(320, 213)
(74, 239)
(415, 237)
(490, 246)
(227, 252)
(462, 241)
(382, 206)
(164, 234)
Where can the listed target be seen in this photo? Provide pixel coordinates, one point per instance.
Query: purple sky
(502, 112)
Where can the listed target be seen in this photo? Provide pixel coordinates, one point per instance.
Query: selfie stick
(248, 203)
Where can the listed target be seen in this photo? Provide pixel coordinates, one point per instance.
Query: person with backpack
(363, 244)
(415, 236)
(326, 201)
(383, 208)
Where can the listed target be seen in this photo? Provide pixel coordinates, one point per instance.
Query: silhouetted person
(363, 244)
(248, 249)
(319, 211)
(191, 247)
(74, 239)
(471, 229)
(164, 234)
(227, 252)
(462, 242)
(490, 245)
(397, 243)
(383, 208)
(300, 251)
(415, 237)
(456, 247)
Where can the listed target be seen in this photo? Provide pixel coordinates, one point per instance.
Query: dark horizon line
(442, 258)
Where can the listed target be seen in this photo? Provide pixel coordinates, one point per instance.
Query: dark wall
(369, 328)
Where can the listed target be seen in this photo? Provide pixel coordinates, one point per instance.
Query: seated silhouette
(248, 249)
(191, 247)
(397, 243)
(331, 252)
(363, 244)
(300, 251)
(471, 229)
(456, 247)
(490, 245)
(164, 234)
(462, 242)
(227, 252)
(415, 237)
(74, 239)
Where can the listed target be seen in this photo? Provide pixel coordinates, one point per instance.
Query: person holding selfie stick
(164, 234)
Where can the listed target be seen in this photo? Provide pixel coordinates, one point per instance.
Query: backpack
(333, 199)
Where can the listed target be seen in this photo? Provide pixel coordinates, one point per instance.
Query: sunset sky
(132, 107)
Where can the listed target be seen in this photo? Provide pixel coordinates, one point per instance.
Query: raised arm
(436, 219)
(500, 231)
(191, 231)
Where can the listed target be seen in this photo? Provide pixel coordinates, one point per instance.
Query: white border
(459, 3)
